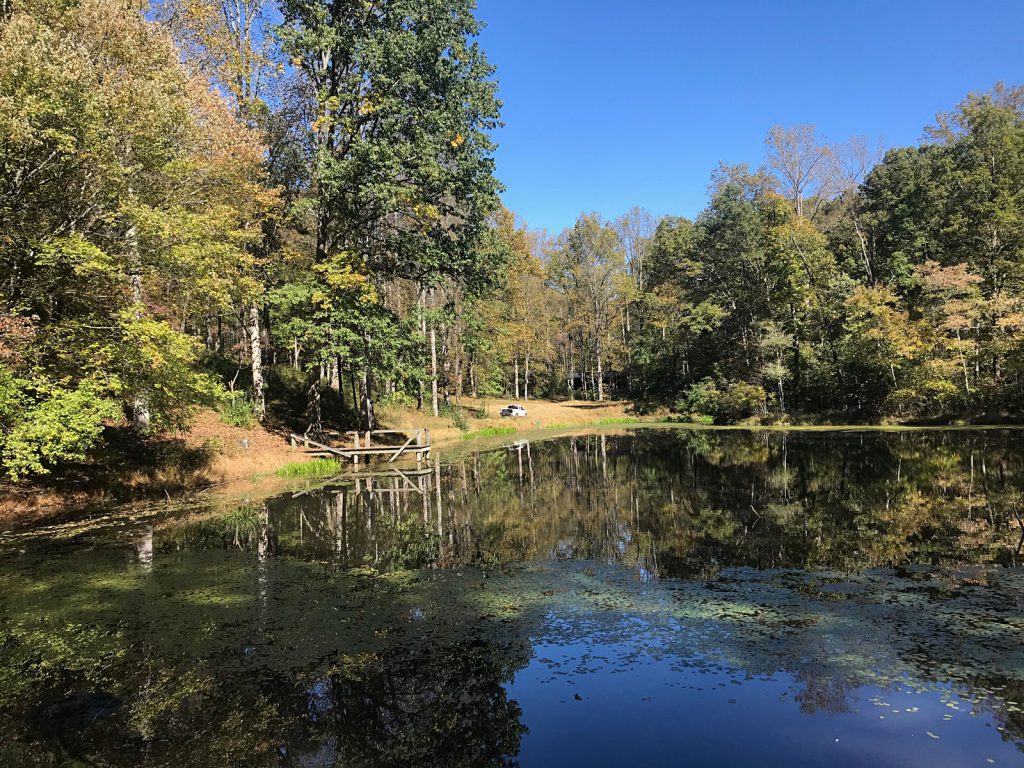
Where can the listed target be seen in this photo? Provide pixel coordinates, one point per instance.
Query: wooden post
(355, 456)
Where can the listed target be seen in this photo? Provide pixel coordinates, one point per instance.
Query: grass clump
(314, 468)
(456, 414)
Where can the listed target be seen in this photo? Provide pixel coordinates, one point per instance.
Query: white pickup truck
(513, 411)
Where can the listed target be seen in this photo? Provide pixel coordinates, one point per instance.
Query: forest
(290, 211)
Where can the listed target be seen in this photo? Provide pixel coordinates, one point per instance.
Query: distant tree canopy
(823, 285)
(206, 201)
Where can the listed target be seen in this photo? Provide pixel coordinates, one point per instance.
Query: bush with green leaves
(238, 410)
(42, 425)
(701, 399)
(727, 403)
(740, 400)
(396, 400)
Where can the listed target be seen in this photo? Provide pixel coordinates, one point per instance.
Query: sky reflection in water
(649, 597)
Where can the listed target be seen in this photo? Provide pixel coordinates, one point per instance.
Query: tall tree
(228, 43)
(799, 161)
(405, 102)
(129, 195)
(585, 267)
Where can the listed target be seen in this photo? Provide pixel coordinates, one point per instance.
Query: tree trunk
(369, 417)
(256, 352)
(268, 336)
(458, 377)
(421, 305)
(366, 397)
(334, 375)
(526, 379)
(516, 376)
(572, 373)
(862, 239)
(140, 402)
(433, 370)
(626, 338)
(313, 402)
(340, 372)
(600, 372)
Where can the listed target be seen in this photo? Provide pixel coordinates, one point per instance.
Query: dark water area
(647, 597)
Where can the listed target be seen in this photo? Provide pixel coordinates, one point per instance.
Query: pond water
(643, 597)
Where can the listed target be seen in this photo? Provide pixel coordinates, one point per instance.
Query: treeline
(822, 285)
(194, 191)
(293, 206)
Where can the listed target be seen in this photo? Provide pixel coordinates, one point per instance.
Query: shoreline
(255, 472)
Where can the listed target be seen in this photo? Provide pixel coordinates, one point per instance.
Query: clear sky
(616, 103)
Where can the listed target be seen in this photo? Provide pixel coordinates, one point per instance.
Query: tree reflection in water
(381, 622)
(679, 504)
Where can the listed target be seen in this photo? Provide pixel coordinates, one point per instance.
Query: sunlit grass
(314, 468)
(489, 432)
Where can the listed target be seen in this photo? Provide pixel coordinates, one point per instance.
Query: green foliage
(701, 399)
(131, 202)
(740, 400)
(396, 400)
(734, 401)
(402, 134)
(154, 231)
(152, 360)
(238, 410)
(44, 425)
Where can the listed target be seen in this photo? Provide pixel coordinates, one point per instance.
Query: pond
(633, 597)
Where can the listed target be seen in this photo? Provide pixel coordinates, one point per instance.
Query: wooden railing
(418, 444)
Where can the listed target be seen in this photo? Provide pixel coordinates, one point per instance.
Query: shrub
(46, 425)
(740, 400)
(396, 400)
(701, 399)
(238, 410)
(706, 401)
(460, 421)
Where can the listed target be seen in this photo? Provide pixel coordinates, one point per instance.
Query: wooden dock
(418, 445)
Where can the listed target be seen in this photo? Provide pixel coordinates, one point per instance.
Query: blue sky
(611, 104)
